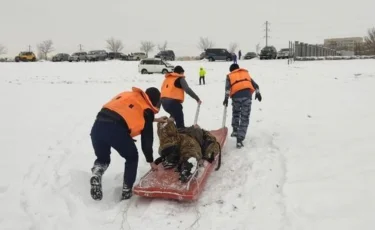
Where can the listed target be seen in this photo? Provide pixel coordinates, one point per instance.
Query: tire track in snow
(250, 181)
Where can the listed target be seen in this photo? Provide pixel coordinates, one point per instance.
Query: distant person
(173, 95)
(239, 55)
(240, 86)
(202, 75)
(126, 116)
(234, 58)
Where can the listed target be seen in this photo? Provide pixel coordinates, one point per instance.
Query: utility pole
(267, 30)
(80, 47)
(29, 48)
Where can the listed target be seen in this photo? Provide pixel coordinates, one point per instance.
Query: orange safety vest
(130, 106)
(240, 79)
(168, 89)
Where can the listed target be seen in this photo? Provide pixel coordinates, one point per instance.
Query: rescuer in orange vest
(173, 95)
(124, 117)
(240, 87)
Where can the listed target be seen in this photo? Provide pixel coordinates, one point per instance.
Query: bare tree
(163, 47)
(147, 46)
(370, 40)
(114, 45)
(45, 47)
(205, 43)
(257, 48)
(232, 47)
(3, 50)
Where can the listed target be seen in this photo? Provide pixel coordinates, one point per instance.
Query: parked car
(60, 57)
(250, 55)
(166, 55)
(97, 55)
(216, 54)
(154, 65)
(137, 56)
(268, 52)
(78, 56)
(283, 53)
(25, 56)
(117, 55)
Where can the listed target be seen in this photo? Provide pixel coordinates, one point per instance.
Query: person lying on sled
(184, 149)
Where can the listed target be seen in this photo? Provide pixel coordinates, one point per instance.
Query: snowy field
(308, 161)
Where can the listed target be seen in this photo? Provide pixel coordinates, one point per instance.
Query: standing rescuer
(240, 87)
(124, 117)
(173, 95)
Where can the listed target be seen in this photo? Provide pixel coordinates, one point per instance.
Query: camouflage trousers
(241, 108)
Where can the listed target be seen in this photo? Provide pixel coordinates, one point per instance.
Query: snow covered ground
(308, 162)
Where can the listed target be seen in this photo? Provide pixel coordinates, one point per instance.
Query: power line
(267, 30)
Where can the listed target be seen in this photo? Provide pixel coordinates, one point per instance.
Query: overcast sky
(181, 22)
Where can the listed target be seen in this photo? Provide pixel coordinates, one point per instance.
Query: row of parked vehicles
(95, 55)
(102, 55)
(220, 54)
(98, 55)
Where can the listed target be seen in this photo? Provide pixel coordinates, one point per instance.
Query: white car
(154, 65)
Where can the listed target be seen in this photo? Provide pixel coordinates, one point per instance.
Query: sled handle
(197, 114)
(224, 116)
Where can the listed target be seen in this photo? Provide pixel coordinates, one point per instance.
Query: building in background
(348, 44)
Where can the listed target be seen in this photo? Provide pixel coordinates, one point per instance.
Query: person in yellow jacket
(125, 116)
(202, 75)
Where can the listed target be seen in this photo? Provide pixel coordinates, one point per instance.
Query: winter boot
(171, 160)
(239, 143)
(126, 192)
(188, 169)
(234, 133)
(96, 181)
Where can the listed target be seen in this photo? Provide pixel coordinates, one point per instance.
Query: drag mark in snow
(42, 178)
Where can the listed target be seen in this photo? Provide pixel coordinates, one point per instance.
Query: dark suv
(167, 55)
(213, 54)
(268, 52)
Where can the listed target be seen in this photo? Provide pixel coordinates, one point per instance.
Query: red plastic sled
(165, 183)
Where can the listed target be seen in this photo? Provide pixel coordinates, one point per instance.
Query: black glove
(258, 96)
(225, 102)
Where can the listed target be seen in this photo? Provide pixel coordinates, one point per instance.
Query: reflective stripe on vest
(130, 106)
(169, 90)
(240, 79)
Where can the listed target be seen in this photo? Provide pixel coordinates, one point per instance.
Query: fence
(309, 50)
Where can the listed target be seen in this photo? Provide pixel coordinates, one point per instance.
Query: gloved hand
(258, 96)
(225, 102)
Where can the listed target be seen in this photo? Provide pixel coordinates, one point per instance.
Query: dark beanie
(154, 95)
(233, 67)
(178, 69)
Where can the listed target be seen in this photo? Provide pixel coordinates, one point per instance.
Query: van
(154, 65)
(216, 54)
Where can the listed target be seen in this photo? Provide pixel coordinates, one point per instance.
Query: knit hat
(154, 95)
(178, 69)
(233, 67)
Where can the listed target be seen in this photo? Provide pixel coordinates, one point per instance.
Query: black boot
(126, 192)
(239, 143)
(96, 181)
(188, 169)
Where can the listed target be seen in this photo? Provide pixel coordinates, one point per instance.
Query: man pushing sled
(185, 149)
